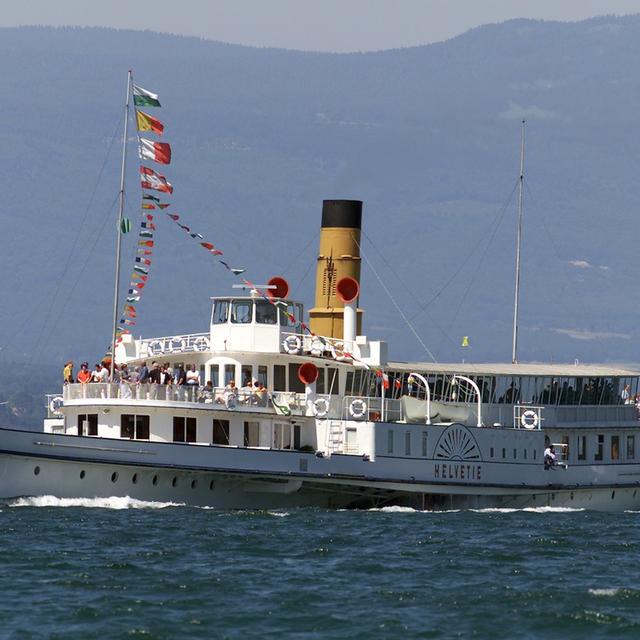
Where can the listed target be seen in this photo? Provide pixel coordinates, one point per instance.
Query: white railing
(190, 343)
(297, 343)
(221, 398)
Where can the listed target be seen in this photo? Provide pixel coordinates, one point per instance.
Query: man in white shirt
(550, 458)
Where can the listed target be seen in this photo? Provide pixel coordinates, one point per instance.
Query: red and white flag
(156, 151)
(149, 179)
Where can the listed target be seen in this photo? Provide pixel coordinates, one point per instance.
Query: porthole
(211, 486)
(114, 476)
(134, 479)
(36, 471)
(83, 473)
(174, 482)
(155, 480)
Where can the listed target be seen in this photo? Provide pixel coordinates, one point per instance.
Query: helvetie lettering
(453, 471)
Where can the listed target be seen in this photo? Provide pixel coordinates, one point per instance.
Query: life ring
(338, 353)
(292, 345)
(55, 404)
(358, 409)
(321, 407)
(181, 345)
(317, 347)
(156, 347)
(200, 344)
(529, 419)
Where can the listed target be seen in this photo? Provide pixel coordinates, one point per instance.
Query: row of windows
(391, 437)
(258, 311)
(525, 453)
(598, 451)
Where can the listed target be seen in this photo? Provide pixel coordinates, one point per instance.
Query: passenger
(67, 373)
(247, 392)
(207, 393)
(626, 394)
(260, 394)
(181, 379)
(84, 375)
(192, 376)
(99, 374)
(125, 379)
(550, 458)
(230, 394)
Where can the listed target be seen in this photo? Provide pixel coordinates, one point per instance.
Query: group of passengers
(153, 383)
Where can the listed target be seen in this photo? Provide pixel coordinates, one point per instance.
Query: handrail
(428, 391)
(476, 389)
(185, 343)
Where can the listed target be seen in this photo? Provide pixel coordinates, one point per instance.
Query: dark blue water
(179, 572)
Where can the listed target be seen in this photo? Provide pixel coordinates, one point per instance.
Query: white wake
(114, 502)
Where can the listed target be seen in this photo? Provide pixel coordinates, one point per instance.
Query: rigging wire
(61, 279)
(406, 286)
(496, 226)
(395, 304)
(80, 274)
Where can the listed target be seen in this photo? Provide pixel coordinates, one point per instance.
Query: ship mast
(116, 293)
(514, 352)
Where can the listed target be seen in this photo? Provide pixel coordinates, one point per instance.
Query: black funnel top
(342, 213)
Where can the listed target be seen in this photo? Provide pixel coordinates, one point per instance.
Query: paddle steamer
(339, 424)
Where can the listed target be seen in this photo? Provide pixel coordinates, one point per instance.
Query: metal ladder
(335, 436)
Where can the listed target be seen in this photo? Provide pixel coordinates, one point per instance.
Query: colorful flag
(125, 225)
(145, 234)
(148, 225)
(173, 216)
(148, 205)
(157, 151)
(143, 261)
(148, 123)
(162, 206)
(144, 98)
(151, 180)
(465, 341)
(148, 196)
(145, 243)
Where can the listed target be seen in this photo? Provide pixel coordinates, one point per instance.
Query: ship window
(407, 443)
(615, 447)
(631, 447)
(134, 427)
(600, 448)
(88, 424)
(491, 452)
(251, 434)
(524, 453)
(266, 313)
(296, 436)
(390, 441)
(281, 436)
(333, 387)
(220, 432)
(582, 447)
(279, 377)
(515, 454)
(424, 444)
(294, 310)
(320, 388)
(535, 454)
(184, 429)
(246, 374)
(241, 311)
(220, 312)
(295, 384)
(504, 453)
(214, 375)
(229, 373)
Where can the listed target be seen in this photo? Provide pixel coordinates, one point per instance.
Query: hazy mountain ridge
(427, 136)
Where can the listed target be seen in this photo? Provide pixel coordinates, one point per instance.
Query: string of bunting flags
(150, 180)
(154, 151)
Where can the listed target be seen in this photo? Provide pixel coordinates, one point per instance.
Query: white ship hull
(35, 464)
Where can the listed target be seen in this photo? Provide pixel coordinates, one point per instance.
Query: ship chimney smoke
(338, 258)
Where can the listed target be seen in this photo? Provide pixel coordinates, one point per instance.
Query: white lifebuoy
(155, 347)
(358, 409)
(529, 419)
(55, 404)
(317, 347)
(200, 344)
(338, 353)
(181, 345)
(292, 345)
(321, 407)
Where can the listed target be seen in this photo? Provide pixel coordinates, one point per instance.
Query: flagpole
(514, 352)
(116, 293)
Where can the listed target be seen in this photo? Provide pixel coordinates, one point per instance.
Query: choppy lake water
(118, 568)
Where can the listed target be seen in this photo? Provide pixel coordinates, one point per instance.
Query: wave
(114, 502)
(529, 510)
(604, 592)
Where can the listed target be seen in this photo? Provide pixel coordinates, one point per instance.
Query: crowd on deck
(162, 382)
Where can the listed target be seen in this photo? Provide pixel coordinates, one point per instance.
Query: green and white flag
(125, 225)
(144, 98)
